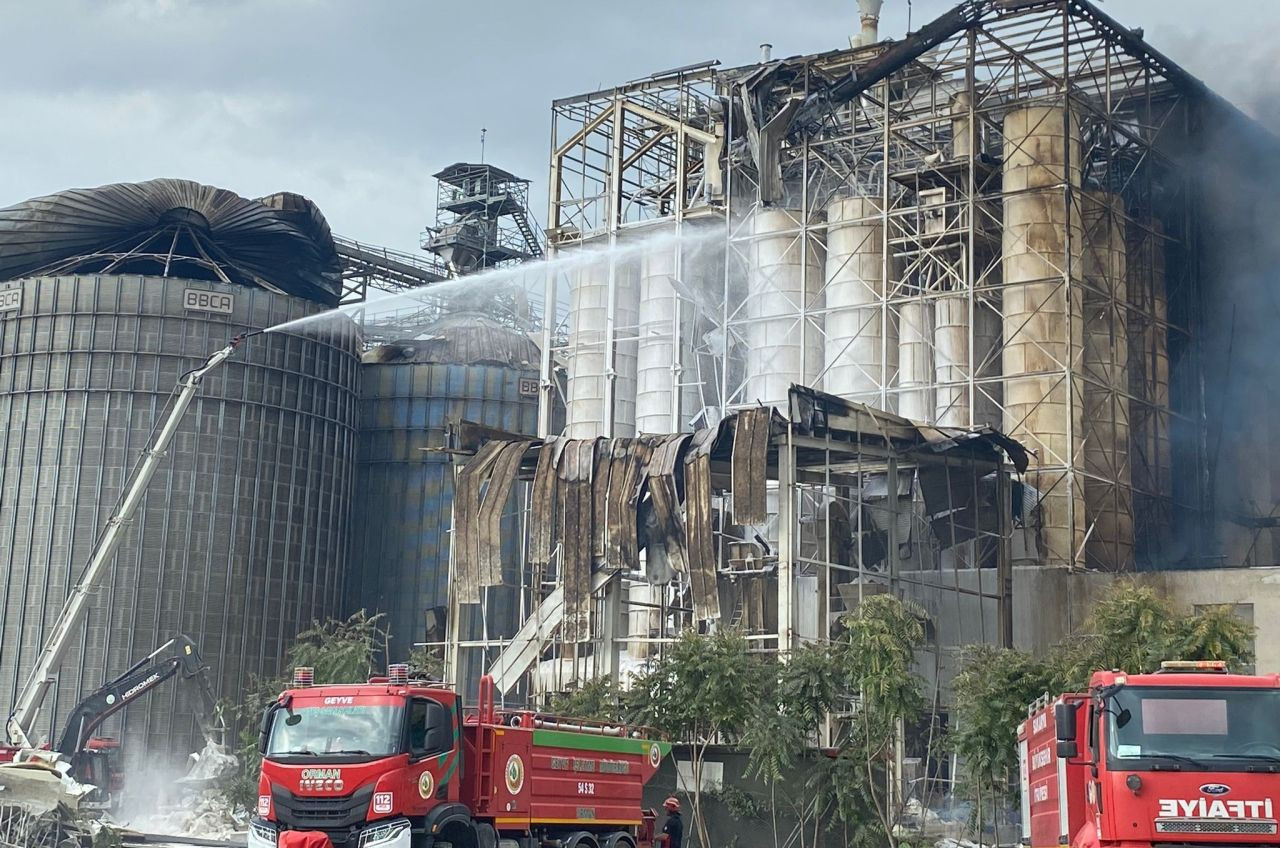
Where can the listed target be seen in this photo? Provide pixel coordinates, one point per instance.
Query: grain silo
(464, 367)
(1042, 313)
(603, 317)
(782, 312)
(111, 294)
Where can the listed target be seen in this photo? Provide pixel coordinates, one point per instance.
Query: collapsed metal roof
(174, 228)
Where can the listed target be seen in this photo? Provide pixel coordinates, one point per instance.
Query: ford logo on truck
(1215, 789)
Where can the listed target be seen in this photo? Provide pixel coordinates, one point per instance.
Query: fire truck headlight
(261, 835)
(1134, 783)
(392, 834)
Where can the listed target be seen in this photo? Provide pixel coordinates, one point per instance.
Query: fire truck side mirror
(1067, 750)
(264, 727)
(1064, 718)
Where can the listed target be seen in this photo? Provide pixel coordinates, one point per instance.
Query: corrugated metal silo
(468, 367)
(241, 540)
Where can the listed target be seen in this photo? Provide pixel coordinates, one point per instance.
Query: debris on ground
(207, 766)
(40, 785)
(22, 826)
(202, 814)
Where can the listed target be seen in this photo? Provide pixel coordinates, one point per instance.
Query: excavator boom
(177, 656)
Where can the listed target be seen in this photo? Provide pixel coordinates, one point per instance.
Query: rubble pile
(205, 815)
(22, 826)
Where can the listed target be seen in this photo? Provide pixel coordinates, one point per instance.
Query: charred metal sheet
(466, 524)
(818, 413)
(544, 517)
(750, 462)
(577, 467)
(702, 554)
(600, 497)
(625, 489)
(666, 539)
(468, 435)
(960, 503)
(984, 443)
(497, 495)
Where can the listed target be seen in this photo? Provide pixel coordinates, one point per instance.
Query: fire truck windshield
(372, 730)
(1193, 729)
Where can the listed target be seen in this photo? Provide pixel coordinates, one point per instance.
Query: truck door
(433, 760)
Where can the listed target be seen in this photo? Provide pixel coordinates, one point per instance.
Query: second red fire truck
(1188, 755)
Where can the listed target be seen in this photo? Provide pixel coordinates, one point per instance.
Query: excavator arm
(177, 656)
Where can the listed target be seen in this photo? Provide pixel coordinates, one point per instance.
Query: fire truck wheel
(581, 839)
(456, 835)
(618, 839)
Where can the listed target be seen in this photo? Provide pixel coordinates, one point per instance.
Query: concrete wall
(1051, 602)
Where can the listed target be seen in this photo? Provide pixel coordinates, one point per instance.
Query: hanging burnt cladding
(107, 296)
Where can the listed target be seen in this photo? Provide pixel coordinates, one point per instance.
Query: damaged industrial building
(976, 316)
(1020, 224)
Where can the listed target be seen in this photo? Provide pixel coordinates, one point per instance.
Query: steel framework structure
(1094, 361)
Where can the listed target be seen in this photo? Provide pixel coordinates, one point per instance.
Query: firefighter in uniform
(672, 835)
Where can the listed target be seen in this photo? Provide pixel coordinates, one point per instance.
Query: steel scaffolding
(1059, 328)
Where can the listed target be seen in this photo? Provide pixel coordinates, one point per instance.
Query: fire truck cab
(1187, 755)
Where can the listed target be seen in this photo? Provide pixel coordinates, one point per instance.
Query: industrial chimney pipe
(766, 52)
(869, 13)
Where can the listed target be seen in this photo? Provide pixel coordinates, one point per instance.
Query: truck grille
(1253, 827)
(328, 812)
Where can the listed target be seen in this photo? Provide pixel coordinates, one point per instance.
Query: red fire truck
(396, 763)
(1187, 755)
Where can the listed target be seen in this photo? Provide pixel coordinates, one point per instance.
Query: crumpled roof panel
(170, 227)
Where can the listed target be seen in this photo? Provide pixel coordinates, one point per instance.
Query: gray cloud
(356, 104)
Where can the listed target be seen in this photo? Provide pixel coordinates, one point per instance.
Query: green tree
(805, 691)
(596, 699)
(1214, 633)
(878, 656)
(992, 692)
(862, 683)
(704, 691)
(339, 651)
(1135, 628)
(426, 663)
(1132, 627)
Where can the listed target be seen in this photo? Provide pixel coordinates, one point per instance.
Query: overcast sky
(355, 103)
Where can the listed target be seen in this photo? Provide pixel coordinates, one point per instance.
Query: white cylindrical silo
(667, 395)
(961, 364)
(590, 369)
(861, 337)
(952, 363)
(1041, 310)
(782, 317)
(915, 360)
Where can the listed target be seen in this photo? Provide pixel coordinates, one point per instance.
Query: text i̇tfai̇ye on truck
(1188, 755)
